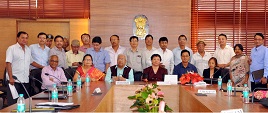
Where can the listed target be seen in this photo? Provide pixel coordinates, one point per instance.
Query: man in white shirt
(115, 49)
(18, 61)
(177, 51)
(166, 55)
(223, 54)
(201, 57)
(147, 52)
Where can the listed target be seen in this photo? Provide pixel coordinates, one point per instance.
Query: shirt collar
(183, 66)
(18, 45)
(257, 48)
(124, 66)
(52, 69)
(59, 50)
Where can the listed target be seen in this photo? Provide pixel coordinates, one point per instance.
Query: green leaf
(135, 104)
(155, 102)
(168, 109)
(141, 110)
(144, 95)
(132, 97)
(154, 109)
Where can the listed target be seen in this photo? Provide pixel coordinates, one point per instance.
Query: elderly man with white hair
(120, 72)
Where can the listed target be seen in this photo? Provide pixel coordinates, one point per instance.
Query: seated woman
(154, 72)
(239, 67)
(88, 68)
(212, 72)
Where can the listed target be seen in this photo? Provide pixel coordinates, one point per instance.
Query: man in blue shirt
(40, 53)
(184, 66)
(101, 58)
(258, 61)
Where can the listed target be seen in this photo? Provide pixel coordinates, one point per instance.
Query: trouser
(137, 75)
(20, 90)
(225, 75)
(36, 86)
(259, 85)
(69, 72)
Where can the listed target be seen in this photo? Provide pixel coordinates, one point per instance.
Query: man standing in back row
(134, 57)
(258, 61)
(115, 49)
(18, 61)
(177, 51)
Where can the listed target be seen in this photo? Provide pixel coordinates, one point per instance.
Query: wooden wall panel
(71, 28)
(7, 38)
(166, 18)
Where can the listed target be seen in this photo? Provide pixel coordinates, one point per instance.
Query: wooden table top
(114, 96)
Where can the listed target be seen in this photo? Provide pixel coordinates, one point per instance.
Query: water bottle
(246, 94)
(69, 88)
(219, 83)
(78, 83)
(87, 80)
(21, 104)
(229, 88)
(54, 94)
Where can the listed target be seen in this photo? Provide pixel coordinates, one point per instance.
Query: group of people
(116, 63)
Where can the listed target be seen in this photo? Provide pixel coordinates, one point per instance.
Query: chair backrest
(4, 82)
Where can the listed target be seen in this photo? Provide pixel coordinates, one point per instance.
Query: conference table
(181, 98)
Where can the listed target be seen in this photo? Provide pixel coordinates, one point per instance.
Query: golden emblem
(141, 26)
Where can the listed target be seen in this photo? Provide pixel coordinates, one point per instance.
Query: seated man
(51, 74)
(184, 66)
(120, 72)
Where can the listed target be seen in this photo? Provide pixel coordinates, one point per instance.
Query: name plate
(163, 83)
(122, 82)
(233, 111)
(200, 84)
(206, 91)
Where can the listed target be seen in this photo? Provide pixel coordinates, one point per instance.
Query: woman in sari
(239, 67)
(88, 68)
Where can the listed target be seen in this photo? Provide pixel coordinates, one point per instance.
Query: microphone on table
(223, 78)
(30, 104)
(58, 80)
(31, 77)
(67, 73)
(212, 79)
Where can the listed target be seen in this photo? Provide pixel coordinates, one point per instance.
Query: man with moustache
(115, 49)
(59, 51)
(18, 61)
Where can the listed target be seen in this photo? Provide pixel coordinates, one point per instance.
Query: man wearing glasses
(86, 40)
(51, 74)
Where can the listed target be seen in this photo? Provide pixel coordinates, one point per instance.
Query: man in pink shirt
(51, 74)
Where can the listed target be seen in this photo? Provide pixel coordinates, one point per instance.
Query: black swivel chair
(3, 87)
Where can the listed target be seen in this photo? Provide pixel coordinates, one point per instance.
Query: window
(238, 19)
(34, 9)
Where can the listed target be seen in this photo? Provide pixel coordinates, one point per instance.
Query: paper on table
(172, 79)
(53, 103)
(13, 91)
